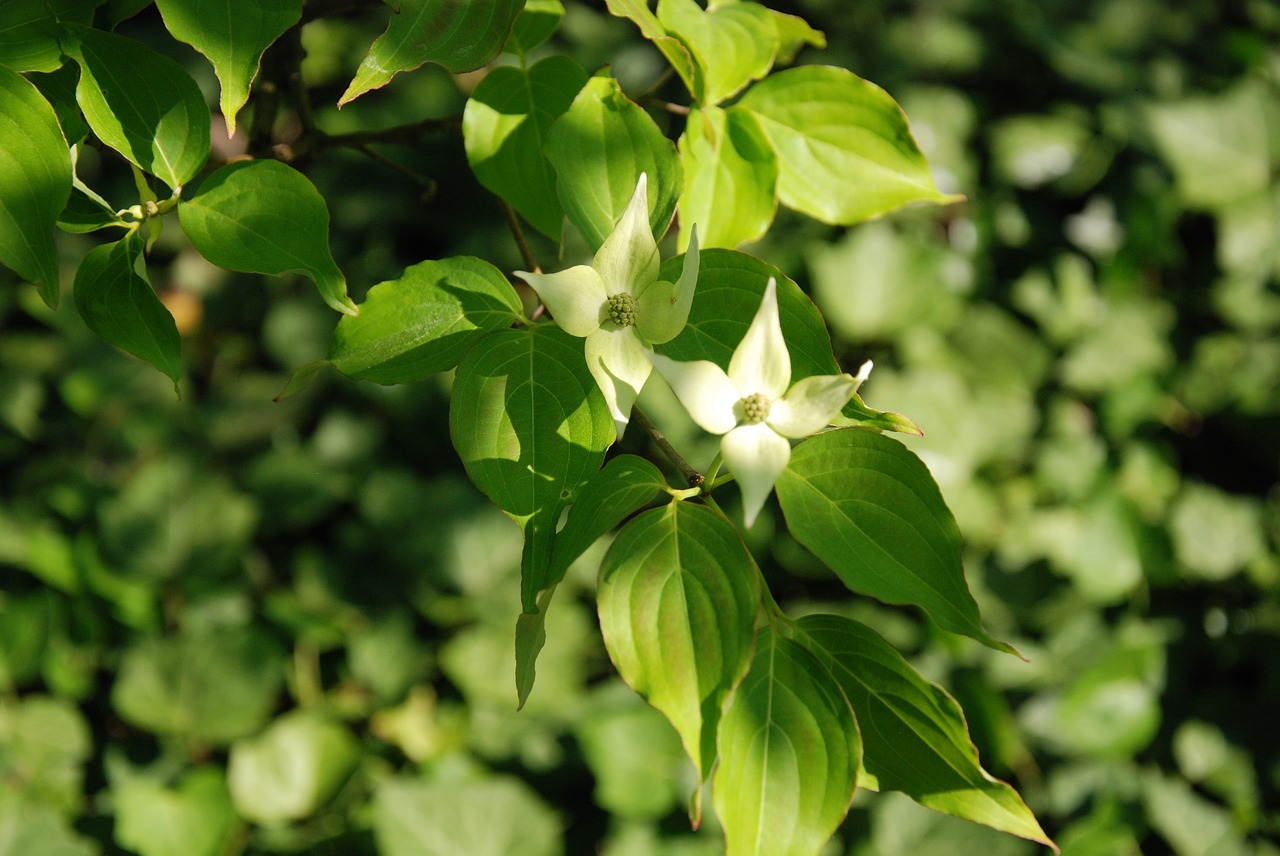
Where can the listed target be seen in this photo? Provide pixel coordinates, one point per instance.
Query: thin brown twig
(690, 475)
(398, 135)
(425, 182)
(517, 232)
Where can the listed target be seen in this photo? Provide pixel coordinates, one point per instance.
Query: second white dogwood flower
(755, 405)
(618, 304)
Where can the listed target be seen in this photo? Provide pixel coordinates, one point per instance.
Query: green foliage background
(1090, 344)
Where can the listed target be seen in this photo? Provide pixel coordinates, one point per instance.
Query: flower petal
(629, 256)
(761, 362)
(575, 297)
(811, 404)
(756, 456)
(704, 390)
(664, 308)
(620, 364)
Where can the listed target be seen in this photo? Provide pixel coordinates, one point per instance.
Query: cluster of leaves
(293, 600)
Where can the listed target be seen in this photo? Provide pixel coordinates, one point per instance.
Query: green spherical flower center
(755, 408)
(622, 309)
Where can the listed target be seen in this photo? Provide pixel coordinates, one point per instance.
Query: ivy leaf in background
(530, 426)
(639, 13)
(732, 44)
(28, 826)
(914, 737)
(730, 178)
(142, 104)
(291, 769)
(216, 685)
(677, 599)
(868, 507)
(232, 34)
(789, 753)
(265, 217)
(599, 149)
(118, 305)
(505, 128)
(460, 35)
(845, 152)
(194, 818)
(35, 182)
(423, 322)
(497, 816)
(29, 31)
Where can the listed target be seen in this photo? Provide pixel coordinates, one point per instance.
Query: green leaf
(624, 485)
(793, 34)
(498, 816)
(857, 414)
(505, 128)
(35, 181)
(29, 827)
(460, 35)
(730, 178)
(535, 24)
(599, 147)
(914, 735)
(30, 31)
(118, 304)
(531, 638)
(216, 685)
(44, 743)
(731, 45)
(84, 214)
(291, 769)
(530, 425)
(142, 104)
(789, 752)
(845, 153)
(265, 217)
(195, 818)
(232, 34)
(730, 287)
(423, 322)
(866, 506)
(639, 13)
(678, 597)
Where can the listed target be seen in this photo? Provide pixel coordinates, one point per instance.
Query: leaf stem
(517, 232)
(691, 476)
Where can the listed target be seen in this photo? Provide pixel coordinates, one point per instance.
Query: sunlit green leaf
(83, 214)
(535, 24)
(845, 153)
(505, 127)
(28, 826)
(914, 734)
(867, 506)
(498, 816)
(732, 44)
(44, 743)
(291, 769)
(142, 104)
(118, 304)
(265, 217)
(793, 34)
(530, 426)
(30, 31)
(461, 35)
(215, 686)
(677, 599)
(599, 148)
(35, 181)
(195, 817)
(730, 178)
(639, 13)
(789, 752)
(233, 34)
(423, 322)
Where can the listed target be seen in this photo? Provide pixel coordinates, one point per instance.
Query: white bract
(618, 304)
(755, 405)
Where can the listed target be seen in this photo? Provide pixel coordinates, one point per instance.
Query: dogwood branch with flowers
(785, 716)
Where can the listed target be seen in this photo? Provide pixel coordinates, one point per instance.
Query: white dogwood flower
(755, 405)
(618, 304)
